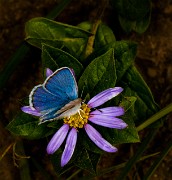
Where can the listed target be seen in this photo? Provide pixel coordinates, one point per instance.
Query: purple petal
(104, 96)
(29, 110)
(108, 121)
(69, 147)
(48, 72)
(109, 111)
(96, 137)
(57, 139)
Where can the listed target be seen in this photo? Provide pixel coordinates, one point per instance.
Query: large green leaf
(81, 158)
(87, 160)
(133, 9)
(139, 26)
(134, 85)
(104, 36)
(142, 25)
(127, 135)
(134, 14)
(42, 30)
(124, 55)
(99, 75)
(54, 58)
(56, 160)
(27, 126)
(88, 143)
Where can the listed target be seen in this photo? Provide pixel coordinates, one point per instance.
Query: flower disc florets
(80, 118)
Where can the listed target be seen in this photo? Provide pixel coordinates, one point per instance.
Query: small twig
(17, 156)
(90, 43)
(6, 150)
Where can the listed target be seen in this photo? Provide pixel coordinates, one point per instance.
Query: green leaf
(124, 55)
(104, 36)
(99, 75)
(86, 25)
(142, 25)
(88, 143)
(133, 15)
(47, 60)
(56, 160)
(54, 58)
(127, 25)
(139, 26)
(82, 158)
(27, 126)
(42, 30)
(134, 85)
(129, 134)
(87, 160)
(133, 9)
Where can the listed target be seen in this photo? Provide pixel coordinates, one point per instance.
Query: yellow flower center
(80, 118)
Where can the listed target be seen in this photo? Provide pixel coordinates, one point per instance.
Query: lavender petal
(104, 96)
(57, 139)
(109, 111)
(48, 72)
(69, 147)
(29, 110)
(108, 121)
(96, 137)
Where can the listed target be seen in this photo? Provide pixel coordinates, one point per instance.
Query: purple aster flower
(107, 117)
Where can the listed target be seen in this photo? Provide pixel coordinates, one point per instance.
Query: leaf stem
(23, 162)
(155, 117)
(6, 150)
(90, 43)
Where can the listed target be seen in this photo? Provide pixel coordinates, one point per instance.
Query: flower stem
(155, 117)
(90, 43)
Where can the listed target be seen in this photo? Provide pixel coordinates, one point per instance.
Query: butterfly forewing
(62, 82)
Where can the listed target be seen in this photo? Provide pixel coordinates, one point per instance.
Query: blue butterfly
(57, 97)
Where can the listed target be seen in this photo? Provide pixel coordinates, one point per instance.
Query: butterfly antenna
(82, 91)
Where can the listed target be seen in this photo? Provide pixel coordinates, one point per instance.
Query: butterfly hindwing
(58, 90)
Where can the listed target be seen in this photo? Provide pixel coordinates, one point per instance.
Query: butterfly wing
(59, 89)
(62, 82)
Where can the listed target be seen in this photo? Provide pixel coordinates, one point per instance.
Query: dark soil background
(154, 60)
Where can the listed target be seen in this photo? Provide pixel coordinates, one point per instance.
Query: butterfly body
(71, 108)
(57, 97)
